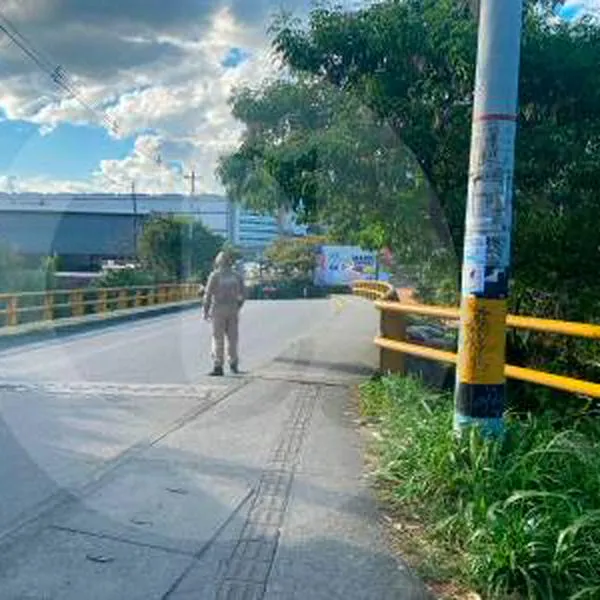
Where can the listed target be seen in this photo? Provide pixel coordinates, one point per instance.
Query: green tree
(411, 64)
(319, 151)
(116, 278)
(17, 276)
(294, 259)
(173, 248)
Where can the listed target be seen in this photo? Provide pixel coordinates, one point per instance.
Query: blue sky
(68, 152)
(571, 10)
(235, 57)
(162, 72)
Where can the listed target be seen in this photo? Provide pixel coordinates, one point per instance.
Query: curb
(44, 330)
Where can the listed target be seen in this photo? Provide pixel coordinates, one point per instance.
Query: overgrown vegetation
(173, 249)
(116, 278)
(17, 276)
(286, 270)
(520, 516)
(292, 260)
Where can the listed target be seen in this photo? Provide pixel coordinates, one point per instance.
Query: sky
(158, 75)
(574, 8)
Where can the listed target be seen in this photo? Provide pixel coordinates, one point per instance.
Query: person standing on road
(223, 300)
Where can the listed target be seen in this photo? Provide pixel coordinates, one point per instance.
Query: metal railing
(393, 343)
(50, 305)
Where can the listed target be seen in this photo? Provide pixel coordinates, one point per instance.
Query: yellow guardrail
(373, 290)
(394, 345)
(30, 307)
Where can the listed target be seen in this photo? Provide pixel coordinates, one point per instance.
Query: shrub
(523, 512)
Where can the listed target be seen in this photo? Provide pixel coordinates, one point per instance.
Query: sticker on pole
(489, 203)
(473, 279)
(498, 250)
(482, 341)
(475, 250)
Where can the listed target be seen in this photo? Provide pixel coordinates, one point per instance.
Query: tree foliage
(413, 62)
(119, 278)
(317, 150)
(173, 248)
(293, 259)
(404, 70)
(17, 276)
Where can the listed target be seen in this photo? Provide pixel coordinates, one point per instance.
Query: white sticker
(491, 188)
(494, 276)
(475, 250)
(473, 279)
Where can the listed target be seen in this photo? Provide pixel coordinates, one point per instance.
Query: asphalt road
(127, 473)
(172, 349)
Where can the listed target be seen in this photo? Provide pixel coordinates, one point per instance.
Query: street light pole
(480, 381)
(190, 226)
(192, 179)
(135, 219)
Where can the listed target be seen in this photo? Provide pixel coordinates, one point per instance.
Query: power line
(57, 73)
(61, 78)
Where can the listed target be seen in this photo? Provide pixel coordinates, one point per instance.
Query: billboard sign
(342, 265)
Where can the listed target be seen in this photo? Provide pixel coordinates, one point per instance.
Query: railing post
(393, 327)
(149, 296)
(138, 298)
(102, 301)
(122, 301)
(78, 303)
(12, 311)
(49, 306)
(73, 299)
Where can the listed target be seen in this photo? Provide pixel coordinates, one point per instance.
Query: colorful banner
(342, 265)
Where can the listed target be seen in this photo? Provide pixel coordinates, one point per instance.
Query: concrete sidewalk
(255, 490)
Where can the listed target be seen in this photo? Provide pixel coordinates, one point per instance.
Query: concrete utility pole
(474, 6)
(192, 178)
(189, 228)
(135, 218)
(480, 382)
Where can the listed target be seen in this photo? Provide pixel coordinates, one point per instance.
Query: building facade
(252, 232)
(86, 230)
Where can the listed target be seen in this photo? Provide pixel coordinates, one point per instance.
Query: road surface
(127, 473)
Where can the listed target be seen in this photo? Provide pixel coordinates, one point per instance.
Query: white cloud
(171, 80)
(587, 4)
(45, 185)
(140, 168)
(144, 65)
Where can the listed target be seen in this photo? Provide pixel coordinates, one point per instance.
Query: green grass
(522, 514)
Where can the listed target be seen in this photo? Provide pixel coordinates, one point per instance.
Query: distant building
(254, 232)
(85, 230)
